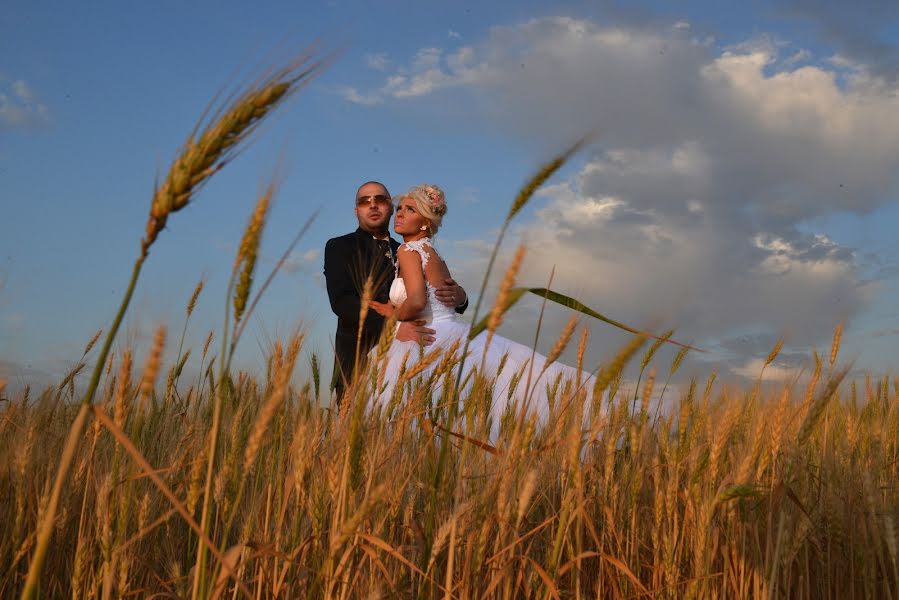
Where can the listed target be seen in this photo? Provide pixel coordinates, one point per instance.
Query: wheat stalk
(151, 368)
(835, 345)
(562, 342)
(193, 297)
(421, 365)
(248, 251)
(220, 139)
(502, 298)
(279, 392)
(123, 383)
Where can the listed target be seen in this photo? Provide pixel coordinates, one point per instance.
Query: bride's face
(407, 220)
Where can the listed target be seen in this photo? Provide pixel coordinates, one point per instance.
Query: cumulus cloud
(856, 29)
(19, 105)
(713, 161)
(431, 69)
(378, 62)
(298, 261)
(351, 94)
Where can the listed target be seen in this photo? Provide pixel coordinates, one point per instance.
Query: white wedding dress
(509, 384)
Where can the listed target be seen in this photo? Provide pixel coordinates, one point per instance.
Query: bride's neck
(413, 238)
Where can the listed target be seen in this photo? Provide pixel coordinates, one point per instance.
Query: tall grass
(739, 492)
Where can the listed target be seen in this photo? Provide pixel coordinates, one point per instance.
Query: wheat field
(128, 480)
(773, 490)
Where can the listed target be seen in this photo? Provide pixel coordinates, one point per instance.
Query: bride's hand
(382, 308)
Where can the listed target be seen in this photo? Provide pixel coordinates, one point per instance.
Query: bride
(420, 269)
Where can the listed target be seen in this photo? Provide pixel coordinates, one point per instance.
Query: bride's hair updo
(431, 203)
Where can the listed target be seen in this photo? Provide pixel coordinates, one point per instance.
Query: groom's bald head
(368, 184)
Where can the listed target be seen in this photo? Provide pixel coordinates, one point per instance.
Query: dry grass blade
(231, 559)
(480, 444)
(626, 571)
(379, 543)
(576, 561)
(45, 526)
(136, 455)
(551, 588)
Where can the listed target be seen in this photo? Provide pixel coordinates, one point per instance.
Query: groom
(349, 259)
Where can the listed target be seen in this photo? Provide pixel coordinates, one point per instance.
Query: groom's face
(373, 207)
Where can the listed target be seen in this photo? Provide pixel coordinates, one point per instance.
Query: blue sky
(742, 185)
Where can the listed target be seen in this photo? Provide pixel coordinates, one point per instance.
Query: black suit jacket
(349, 259)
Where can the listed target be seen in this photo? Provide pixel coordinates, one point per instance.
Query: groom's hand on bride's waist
(415, 331)
(451, 293)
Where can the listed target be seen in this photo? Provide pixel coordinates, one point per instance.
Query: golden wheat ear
(220, 139)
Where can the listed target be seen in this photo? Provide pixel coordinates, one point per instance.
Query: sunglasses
(377, 199)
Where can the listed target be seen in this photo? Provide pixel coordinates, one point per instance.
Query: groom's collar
(362, 233)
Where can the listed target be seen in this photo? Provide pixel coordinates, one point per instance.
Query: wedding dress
(509, 361)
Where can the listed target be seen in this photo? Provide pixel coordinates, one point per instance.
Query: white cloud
(430, 70)
(774, 372)
(712, 164)
(19, 105)
(351, 94)
(301, 261)
(378, 62)
(799, 56)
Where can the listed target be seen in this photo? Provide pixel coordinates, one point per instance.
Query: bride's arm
(414, 279)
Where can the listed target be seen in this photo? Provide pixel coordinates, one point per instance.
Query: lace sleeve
(420, 247)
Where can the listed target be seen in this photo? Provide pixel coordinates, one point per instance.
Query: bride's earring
(423, 227)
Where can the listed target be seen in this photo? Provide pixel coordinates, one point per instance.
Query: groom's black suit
(349, 259)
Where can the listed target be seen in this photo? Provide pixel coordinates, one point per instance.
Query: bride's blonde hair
(430, 202)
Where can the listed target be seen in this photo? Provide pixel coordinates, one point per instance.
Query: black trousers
(345, 358)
